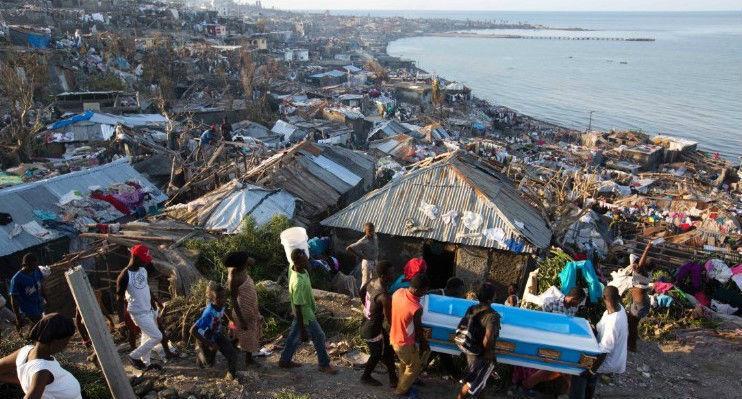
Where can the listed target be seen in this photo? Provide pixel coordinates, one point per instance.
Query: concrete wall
(506, 268)
(472, 265)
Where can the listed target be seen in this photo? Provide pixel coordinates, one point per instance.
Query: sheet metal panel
(338, 170)
(321, 173)
(449, 188)
(19, 201)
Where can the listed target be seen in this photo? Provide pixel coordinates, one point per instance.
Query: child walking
(208, 332)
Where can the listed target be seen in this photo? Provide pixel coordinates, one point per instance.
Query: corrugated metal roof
(322, 173)
(132, 121)
(284, 128)
(338, 170)
(459, 182)
(398, 146)
(21, 200)
(316, 173)
(388, 129)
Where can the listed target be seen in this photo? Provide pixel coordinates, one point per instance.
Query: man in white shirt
(366, 249)
(134, 296)
(613, 333)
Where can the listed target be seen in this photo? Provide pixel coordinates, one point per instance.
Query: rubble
(169, 124)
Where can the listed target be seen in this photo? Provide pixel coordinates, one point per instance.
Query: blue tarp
(38, 41)
(122, 63)
(568, 277)
(71, 120)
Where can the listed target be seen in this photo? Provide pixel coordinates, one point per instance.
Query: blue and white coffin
(530, 338)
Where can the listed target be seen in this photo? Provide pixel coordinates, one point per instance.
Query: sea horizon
(687, 84)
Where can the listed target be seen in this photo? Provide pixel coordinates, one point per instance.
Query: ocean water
(687, 83)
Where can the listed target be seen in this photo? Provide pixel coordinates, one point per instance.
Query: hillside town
(190, 190)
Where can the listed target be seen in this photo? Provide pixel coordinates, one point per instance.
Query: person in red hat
(412, 268)
(133, 295)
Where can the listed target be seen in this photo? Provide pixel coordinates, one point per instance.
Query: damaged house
(225, 208)
(322, 177)
(65, 135)
(465, 217)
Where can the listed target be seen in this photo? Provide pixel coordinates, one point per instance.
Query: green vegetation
(106, 82)
(660, 324)
(290, 394)
(549, 268)
(262, 243)
(276, 311)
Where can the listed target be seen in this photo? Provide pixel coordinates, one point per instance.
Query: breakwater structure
(540, 37)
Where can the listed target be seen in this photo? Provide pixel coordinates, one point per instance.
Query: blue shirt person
(208, 332)
(26, 291)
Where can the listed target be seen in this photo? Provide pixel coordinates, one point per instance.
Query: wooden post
(105, 349)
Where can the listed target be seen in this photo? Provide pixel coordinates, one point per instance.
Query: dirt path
(697, 364)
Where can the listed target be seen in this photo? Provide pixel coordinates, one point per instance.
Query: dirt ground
(699, 364)
(695, 364)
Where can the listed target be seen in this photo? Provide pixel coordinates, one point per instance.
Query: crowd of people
(231, 322)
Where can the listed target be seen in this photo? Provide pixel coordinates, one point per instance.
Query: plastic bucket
(293, 238)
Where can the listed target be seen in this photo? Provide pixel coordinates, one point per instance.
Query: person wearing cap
(412, 268)
(34, 366)
(26, 292)
(133, 295)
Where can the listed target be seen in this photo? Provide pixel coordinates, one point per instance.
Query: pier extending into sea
(541, 37)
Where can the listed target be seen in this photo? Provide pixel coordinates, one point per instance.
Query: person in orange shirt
(406, 334)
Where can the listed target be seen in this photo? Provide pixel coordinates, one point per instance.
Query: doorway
(441, 260)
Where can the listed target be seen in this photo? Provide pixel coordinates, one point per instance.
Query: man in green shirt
(305, 322)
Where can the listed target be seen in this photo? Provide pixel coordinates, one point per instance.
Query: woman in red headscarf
(412, 268)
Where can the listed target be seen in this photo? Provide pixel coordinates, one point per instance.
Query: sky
(509, 5)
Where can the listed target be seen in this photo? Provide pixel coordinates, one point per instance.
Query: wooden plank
(105, 349)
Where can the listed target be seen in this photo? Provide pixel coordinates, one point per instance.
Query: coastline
(538, 123)
(477, 100)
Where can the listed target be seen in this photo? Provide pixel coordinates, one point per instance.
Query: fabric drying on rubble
(45, 215)
(568, 278)
(718, 270)
(35, 229)
(738, 280)
(737, 275)
(68, 197)
(661, 287)
(496, 234)
(625, 278)
(693, 272)
(722, 308)
(660, 301)
(120, 206)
